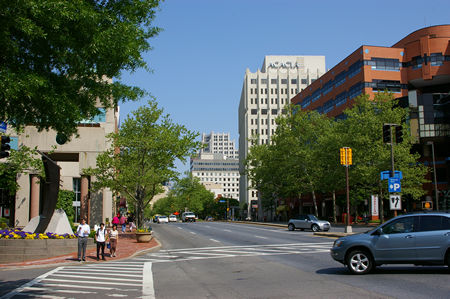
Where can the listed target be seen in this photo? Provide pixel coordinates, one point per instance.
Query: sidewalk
(127, 246)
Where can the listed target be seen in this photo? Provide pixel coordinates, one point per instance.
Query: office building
(264, 95)
(417, 71)
(217, 165)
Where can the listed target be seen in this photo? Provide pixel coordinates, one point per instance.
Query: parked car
(309, 221)
(172, 218)
(419, 239)
(163, 219)
(188, 216)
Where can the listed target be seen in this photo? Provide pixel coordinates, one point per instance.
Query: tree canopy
(303, 157)
(142, 156)
(58, 58)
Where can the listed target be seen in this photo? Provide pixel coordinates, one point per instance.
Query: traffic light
(349, 156)
(342, 155)
(399, 134)
(5, 147)
(387, 133)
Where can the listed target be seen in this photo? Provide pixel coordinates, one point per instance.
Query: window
(293, 81)
(400, 226)
(251, 121)
(384, 64)
(254, 111)
(340, 79)
(430, 223)
(327, 87)
(263, 81)
(355, 90)
(251, 100)
(263, 111)
(273, 81)
(354, 69)
(77, 190)
(284, 81)
(436, 59)
(271, 100)
(304, 81)
(316, 95)
(274, 111)
(340, 99)
(99, 118)
(381, 85)
(306, 101)
(328, 106)
(253, 81)
(416, 62)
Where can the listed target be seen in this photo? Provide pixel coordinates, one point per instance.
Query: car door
(432, 238)
(396, 241)
(300, 223)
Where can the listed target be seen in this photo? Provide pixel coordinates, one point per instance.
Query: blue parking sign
(394, 185)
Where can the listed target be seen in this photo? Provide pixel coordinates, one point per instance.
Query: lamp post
(436, 193)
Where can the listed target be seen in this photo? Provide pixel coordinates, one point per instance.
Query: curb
(5, 267)
(333, 235)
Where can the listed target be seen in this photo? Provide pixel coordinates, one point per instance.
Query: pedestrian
(123, 222)
(116, 219)
(101, 236)
(113, 238)
(83, 231)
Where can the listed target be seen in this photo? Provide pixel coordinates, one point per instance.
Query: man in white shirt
(100, 237)
(83, 231)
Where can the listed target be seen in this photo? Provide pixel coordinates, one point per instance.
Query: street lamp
(436, 193)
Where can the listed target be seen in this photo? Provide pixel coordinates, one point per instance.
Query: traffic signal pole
(392, 158)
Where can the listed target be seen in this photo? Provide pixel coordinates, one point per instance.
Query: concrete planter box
(144, 237)
(18, 250)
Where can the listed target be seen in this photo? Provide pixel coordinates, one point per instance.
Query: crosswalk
(99, 280)
(134, 277)
(188, 254)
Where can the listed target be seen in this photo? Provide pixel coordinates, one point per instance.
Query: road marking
(95, 282)
(193, 233)
(227, 230)
(95, 277)
(43, 284)
(59, 291)
(260, 237)
(215, 240)
(29, 284)
(107, 274)
(148, 291)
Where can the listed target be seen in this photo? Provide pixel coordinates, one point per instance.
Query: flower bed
(19, 234)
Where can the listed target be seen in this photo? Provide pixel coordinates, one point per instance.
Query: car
(163, 219)
(188, 216)
(419, 239)
(309, 221)
(172, 218)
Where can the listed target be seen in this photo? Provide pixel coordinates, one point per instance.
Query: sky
(199, 59)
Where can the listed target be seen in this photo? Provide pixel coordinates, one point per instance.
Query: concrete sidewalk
(127, 246)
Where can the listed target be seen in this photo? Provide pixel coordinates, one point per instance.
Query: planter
(144, 237)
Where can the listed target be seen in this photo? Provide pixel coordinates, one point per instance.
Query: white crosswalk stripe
(187, 254)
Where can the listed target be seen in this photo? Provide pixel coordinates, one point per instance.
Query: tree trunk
(334, 207)
(315, 204)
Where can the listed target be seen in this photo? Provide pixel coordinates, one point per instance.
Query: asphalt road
(225, 260)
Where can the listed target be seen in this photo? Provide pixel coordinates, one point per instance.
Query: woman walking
(113, 237)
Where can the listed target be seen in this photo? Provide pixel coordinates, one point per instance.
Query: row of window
(273, 101)
(263, 120)
(214, 169)
(273, 90)
(263, 131)
(275, 81)
(357, 89)
(266, 111)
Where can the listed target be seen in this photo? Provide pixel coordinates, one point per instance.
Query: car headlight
(338, 242)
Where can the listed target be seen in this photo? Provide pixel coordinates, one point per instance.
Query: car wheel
(448, 257)
(359, 262)
(291, 227)
(315, 228)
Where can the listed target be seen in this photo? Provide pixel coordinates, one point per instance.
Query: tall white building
(217, 165)
(263, 98)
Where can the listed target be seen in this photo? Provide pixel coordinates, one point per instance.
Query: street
(227, 260)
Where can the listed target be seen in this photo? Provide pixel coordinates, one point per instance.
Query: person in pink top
(116, 219)
(123, 222)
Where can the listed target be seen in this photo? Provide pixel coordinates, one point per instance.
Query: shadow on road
(390, 270)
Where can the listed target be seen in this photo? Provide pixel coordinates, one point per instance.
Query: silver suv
(303, 222)
(419, 239)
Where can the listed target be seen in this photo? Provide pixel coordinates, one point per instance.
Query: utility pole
(346, 160)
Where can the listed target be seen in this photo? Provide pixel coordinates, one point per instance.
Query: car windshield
(189, 214)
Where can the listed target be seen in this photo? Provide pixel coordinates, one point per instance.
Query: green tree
(57, 56)
(142, 156)
(65, 199)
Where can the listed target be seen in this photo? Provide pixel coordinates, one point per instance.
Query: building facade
(264, 95)
(217, 165)
(417, 71)
(72, 157)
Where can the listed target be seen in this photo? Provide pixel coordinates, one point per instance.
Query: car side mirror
(378, 232)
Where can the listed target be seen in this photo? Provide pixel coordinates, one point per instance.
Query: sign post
(346, 160)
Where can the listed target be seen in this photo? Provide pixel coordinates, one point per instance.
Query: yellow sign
(346, 156)
(427, 205)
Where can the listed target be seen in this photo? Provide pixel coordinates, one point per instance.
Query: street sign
(374, 205)
(386, 175)
(345, 154)
(395, 202)
(222, 200)
(394, 185)
(427, 205)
